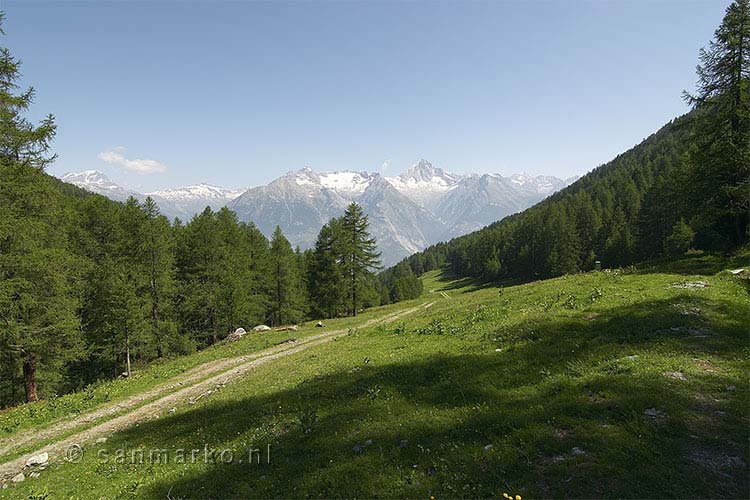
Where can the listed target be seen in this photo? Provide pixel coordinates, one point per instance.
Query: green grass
(47, 411)
(538, 389)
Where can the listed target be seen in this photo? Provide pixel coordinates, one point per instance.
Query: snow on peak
(424, 177)
(346, 182)
(87, 176)
(92, 180)
(542, 184)
(202, 191)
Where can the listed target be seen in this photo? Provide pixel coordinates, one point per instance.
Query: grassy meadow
(605, 384)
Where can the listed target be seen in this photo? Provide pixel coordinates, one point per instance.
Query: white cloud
(385, 165)
(116, 156)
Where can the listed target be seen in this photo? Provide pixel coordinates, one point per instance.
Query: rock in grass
(403, 443)
(368, 442)
(653, 413)
(34, 475)
(489, 447)
(262, 328)
(19, 478)
(319, 324)
(691, 284)
(357, 448)
(578, 451)
(40, 459)
(288, 328)
(236, 335)
(675, 375)
(101, 440)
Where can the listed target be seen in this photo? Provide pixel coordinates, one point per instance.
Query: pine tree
(157, 256)
(324, 275)
(258, 247)
(720, 159)
(37, 302)
(359, 254)
(113, 320)
(235, 306)
(285, 285)
(198, 272)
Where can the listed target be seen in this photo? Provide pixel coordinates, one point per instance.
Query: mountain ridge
(421, 206)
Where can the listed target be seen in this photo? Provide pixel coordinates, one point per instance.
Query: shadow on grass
(706, 264)
(451, 281)
(563, 411)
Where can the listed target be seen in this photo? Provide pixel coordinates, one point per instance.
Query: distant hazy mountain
(97, 182)
(419, 207)
(179, 202)
(187, 201)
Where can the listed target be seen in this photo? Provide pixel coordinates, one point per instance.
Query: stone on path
(40, 459)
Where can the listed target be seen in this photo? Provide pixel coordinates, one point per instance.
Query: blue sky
(238, 93)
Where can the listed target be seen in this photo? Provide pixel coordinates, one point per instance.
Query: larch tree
(157, 257)
(720, 158)
(284, 281)
(38, 321)
(324, 273)
(359, 254)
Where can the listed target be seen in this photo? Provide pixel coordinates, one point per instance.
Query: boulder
(289, 328)
(18, 478)
(262, 328)
(40, 459)
(236, 335)
(319, 324)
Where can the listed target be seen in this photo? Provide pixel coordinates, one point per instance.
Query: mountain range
(407, 213)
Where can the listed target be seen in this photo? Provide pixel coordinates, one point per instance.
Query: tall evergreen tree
(38, 322)
(359, 254)
(285, 285)
(324, 274)
(157, 256)
(720, 158)
(198, 272)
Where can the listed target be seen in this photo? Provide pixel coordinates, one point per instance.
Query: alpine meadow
(346, 332)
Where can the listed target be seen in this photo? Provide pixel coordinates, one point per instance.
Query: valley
(409, 212)
(543, 389)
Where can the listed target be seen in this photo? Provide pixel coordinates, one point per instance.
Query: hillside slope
(622, 212)
(600, 384)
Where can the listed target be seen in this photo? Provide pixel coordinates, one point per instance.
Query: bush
(678, 243)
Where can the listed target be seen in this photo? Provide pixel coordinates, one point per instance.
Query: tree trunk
(29, 378)
(155, 304)
(127, 355)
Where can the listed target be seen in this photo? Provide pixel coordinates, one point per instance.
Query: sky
(165, 94)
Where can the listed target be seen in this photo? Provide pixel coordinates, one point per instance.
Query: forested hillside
(686, 186)
(90, 286)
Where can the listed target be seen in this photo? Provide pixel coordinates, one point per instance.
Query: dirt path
(192, 388)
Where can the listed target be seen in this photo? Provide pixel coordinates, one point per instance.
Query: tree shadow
(558, 414)
(705, 264)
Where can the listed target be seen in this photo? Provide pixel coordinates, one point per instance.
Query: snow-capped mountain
(179, 202)
(421, 206)
(187, 201)
(424, 183)
(97, 182)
